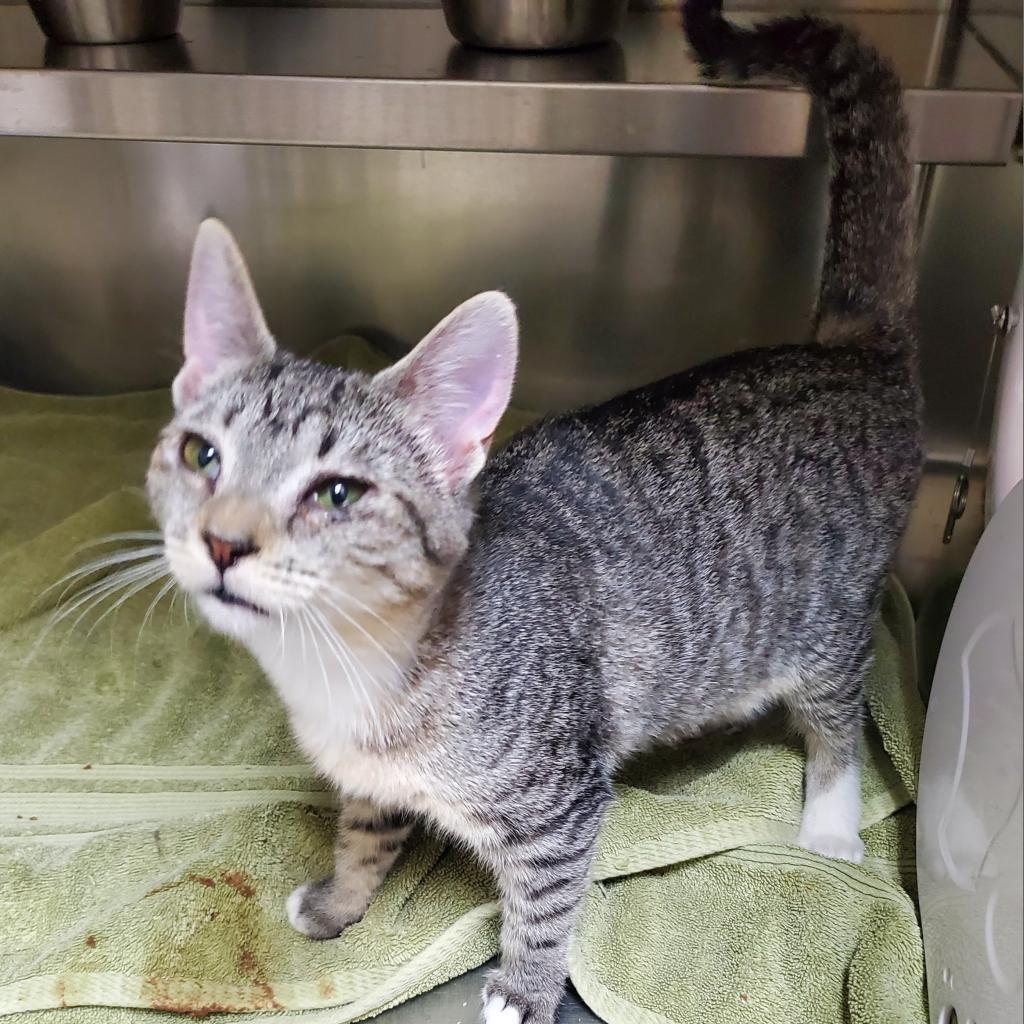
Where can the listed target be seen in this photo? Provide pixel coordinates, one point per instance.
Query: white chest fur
(334, 705)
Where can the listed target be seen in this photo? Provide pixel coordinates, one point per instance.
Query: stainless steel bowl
(107, 21)
(603, 63)
(160, 55)
(533, 24)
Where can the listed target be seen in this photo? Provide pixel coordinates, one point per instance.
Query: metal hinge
(1003, 321)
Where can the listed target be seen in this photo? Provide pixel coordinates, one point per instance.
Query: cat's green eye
(200, 456)
(335, 494)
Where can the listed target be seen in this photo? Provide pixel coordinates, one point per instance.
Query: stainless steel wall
(625, 269)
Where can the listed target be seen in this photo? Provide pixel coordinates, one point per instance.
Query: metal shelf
(394, 79)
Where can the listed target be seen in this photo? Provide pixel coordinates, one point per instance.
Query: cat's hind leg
(830, 720)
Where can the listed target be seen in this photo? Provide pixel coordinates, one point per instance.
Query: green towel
(154, 815)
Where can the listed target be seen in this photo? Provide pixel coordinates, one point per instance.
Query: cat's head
(289, 489)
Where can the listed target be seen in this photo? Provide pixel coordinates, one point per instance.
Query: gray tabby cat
(481, 647)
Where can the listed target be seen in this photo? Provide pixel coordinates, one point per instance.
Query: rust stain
(240, 882)
(90, 941)
(164, 887)
(203, 880)
(34, 817)
(160, 998)
(326, 989)
(744, 997)
(86, 767)
(160, 995)
(271, 1002)
(214, 914)
(247, 963)
(61, 993)
(198, 1011)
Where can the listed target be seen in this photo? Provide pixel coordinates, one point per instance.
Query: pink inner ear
(459, 380)
(224, 325)
(188, 383)
(487, 378)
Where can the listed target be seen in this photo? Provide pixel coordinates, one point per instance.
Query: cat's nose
(226, 552)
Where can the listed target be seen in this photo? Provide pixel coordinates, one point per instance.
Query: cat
(479, 644)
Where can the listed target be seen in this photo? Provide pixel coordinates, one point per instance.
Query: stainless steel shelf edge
(975, 127)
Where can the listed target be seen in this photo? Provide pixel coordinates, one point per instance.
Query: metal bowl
(603, 63)
(107, 21)
(533, 24)
(161, 55)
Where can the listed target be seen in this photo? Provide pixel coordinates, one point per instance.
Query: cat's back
(743, 437)
(693, 536)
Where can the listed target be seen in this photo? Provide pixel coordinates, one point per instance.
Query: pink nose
(226, 552)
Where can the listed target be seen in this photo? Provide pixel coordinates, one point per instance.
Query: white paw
(298, 920)
(837, 847)
(497, 1011)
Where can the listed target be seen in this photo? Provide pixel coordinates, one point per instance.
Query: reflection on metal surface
(970, 252)
(384, 79)
(606, 63)
(534, 24)
(967, 127)
(162, 55)
(81, 22)
(1000, 36)
(624, 269)
(408, 115)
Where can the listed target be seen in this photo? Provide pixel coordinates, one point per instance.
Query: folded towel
(154, 815)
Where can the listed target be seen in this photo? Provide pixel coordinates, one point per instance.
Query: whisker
(92, 595)
(369, 636)
(100, 587)
(97, 599)
(302, 635)
(338, 592)
(149, 611)
(359, 673)
(109, 538)
(146, 581)
(323, 669)
(353, 668)
(116, 558)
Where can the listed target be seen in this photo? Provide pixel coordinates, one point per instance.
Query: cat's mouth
(226, 597)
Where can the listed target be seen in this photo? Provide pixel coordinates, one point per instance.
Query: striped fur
(867, 285)
(367, 845)
(482, 657)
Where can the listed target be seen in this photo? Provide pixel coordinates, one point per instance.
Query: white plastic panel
(970, 837)
(1006, 464)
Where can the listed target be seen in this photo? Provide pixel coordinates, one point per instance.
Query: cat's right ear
(224, 326)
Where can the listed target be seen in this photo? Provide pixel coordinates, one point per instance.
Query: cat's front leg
(368, 843)
(542, 873)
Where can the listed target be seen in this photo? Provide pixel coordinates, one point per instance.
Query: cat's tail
(867, 283)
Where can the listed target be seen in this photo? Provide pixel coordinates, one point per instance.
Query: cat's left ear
(458, 380)
(224, 326)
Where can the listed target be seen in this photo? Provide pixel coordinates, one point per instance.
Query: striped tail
(867, 283)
